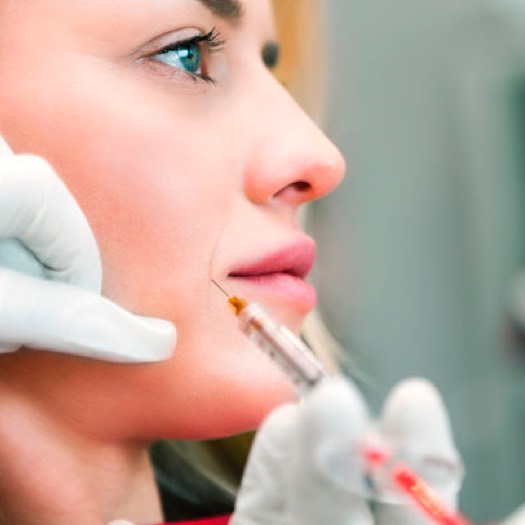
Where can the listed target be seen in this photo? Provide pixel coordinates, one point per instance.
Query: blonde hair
(209, 472)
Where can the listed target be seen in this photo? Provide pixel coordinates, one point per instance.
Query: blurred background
(422, 247)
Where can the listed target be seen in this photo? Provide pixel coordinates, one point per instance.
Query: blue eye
(191, 55)
(186, 56)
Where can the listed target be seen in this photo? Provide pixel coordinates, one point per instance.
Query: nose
(291, 160)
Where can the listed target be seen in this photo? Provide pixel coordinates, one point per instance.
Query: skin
(175, 175)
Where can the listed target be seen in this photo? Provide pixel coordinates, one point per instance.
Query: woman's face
(190, 162)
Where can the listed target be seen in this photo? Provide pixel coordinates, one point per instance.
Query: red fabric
(221, 520)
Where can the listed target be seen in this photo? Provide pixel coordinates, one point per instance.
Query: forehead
(130, 21)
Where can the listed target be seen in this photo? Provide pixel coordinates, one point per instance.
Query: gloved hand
(50, 275)
(304, 467)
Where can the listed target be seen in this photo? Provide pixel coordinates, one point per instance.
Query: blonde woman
(173, 156)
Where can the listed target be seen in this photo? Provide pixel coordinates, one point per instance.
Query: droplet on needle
(236, 303)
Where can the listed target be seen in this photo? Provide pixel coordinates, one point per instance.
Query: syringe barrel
(287, 350)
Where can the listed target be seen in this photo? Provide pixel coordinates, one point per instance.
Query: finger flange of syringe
(283, 347)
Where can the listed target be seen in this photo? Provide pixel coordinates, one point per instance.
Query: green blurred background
(421, 245)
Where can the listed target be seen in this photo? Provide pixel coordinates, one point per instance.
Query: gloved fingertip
(415, 423)
(335, 402)
(414, 410)
(122, 336)
(280, 421)
(414, 388)
(516, 518)
(163, 339)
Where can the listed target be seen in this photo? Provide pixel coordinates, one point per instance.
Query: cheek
(145, 202)
(137, 168)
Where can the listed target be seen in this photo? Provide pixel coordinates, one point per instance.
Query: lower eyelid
(176, 77)
(158, 67)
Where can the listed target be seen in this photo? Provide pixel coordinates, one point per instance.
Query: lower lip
(280, 286)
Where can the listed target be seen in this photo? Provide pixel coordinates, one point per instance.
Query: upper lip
(294, 259)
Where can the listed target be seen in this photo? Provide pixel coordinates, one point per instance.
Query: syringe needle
(220, 288)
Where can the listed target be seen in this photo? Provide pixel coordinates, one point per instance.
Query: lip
(281, 274)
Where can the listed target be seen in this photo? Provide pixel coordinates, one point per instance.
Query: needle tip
(220, 288)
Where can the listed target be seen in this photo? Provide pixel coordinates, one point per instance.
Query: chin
(216, 384)
(259, 399)
(251, 401)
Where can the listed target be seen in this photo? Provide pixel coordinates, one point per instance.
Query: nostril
(301, 186)
(295, 193)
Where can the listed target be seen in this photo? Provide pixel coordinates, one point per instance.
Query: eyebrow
(230, 10)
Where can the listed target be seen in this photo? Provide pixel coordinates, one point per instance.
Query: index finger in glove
(415, 424)
(64, 318)
(262, 499)
(326, 480)
(37, 209)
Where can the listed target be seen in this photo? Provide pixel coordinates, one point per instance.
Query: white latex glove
(50, 275)
(517, 518)
(303, 459)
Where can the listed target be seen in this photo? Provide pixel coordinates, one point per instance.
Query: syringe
(295, 358)
(301, 365)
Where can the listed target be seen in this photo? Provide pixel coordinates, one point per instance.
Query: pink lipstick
(281, 273)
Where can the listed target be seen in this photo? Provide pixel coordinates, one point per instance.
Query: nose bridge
(292, 158)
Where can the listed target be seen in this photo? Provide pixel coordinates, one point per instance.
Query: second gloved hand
(50, 275)
(304, 467)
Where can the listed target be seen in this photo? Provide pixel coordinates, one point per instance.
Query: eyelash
(211, 41)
